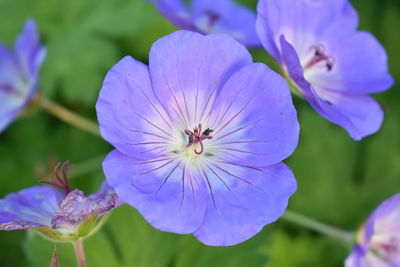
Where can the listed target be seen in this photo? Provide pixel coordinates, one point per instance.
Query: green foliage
(301, 250)
(128, 240)
(194, 254)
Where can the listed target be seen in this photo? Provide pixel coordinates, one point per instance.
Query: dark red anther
(8, 89)
(212, 19)
(320, 56)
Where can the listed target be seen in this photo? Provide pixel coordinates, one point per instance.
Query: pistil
(197, 136)
(57, 180)
(212, 19)
(320, 56)
(389, 249)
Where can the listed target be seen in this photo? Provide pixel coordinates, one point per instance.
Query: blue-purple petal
(253, 199)
(29, 51)
(177, 12)
(378, 238)
(105, 192)
(254, 101)
(333, 65)
(189, 70)
(294, 68)
(226, 16)
(29, 208)
(19, 72)
(361, 66)
(356, 257)
(359, 115)
(300, 21)
(9, 95)
(385, 209)
(176, 178)
(171, 199)
(7, 117)
(209, 16)
(126, 106)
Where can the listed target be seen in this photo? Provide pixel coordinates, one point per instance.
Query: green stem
(86, 167)
(317, 226)
(80, 253)
(69, 116)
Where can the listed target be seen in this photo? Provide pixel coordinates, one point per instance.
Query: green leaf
(97, 249)
(119, 18)
(303, 250)
(76, 63)
(195, 254)
(136, 242)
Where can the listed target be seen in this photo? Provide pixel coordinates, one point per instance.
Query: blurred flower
(19, 72)
(61, 216)
(200, 134)
(212, 16)
(378, 242)
(328, 62)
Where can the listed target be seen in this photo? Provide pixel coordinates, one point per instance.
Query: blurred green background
(339, 181)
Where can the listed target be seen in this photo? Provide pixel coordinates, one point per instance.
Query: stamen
(330, 62)
(8, 89)
(391, 248)
(212, 19)
(320, 56)
(196, 137)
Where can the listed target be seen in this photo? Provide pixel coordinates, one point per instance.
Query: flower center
(212, 19)
(196, 138)
(388, 249)
(320, 56)
(8, 89)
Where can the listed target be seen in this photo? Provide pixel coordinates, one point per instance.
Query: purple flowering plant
(199, 134)
(326, 60)
(212, 16)
(56, 211)
(19, 73)
(378, 240)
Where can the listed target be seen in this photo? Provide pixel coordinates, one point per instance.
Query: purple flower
(199, 134)
(19, 72)
(378, 242)
(61, 216)
(212, 16)
(328, 62)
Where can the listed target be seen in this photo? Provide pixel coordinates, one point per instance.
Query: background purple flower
(331, 65)
(212, 16)
(19, 70)
(378, 242)
(60, 216)
(199, 134)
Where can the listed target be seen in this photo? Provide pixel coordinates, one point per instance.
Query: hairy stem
(317, 226)
(80, 253)
(69, 116)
